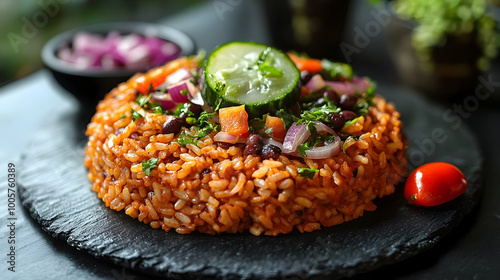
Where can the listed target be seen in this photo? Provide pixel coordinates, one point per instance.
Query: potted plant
(440, 47)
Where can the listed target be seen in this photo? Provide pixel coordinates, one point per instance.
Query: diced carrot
(311, 65)
(234, 120)
(277, 126)
(143, 84)
(147, 83)
(157, 77)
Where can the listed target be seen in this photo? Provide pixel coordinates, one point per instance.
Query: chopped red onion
(176, 77)
(341, 87)
(330, 149)
(226, 137)
(295, 136)
(316, 83)
(182, 91)
(273, 142)
(164, 99)
(361, 84)
(356, 85)
(179, 92)
(321, 127)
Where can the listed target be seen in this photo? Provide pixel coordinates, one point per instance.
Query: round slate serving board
(55, 189)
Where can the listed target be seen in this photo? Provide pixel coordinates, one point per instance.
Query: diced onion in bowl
(115, 51)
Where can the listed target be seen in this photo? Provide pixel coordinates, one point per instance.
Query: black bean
(193, 108)
(305, 77)
(270, 151)
(347, 101)
(337, 121)
(332, 95)
(172, 125)
(224, 145)
(348, 115)
(205, 171)
(253, 144)
(196, 109)
(343, 136)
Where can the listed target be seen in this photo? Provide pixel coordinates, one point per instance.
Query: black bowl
(90, 86)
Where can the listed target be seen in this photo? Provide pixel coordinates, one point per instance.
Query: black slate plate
(55, 190)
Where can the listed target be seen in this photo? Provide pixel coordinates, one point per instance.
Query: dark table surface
(470, 251)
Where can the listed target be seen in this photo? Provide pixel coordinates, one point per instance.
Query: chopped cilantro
(151, 87)
(183, 108)
(318, 114)
(145, 103)
(268, 132)
(184, 92)
(307, 172)
(257, 125)
(135, 115)
(335, 70)
(149, 165)
(343, 145)
(123, 116)
(349, 123)
(303, 148)
(205, 126)
(142, 100)
(184, 138)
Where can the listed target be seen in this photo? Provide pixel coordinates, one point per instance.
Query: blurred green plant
(437, 19)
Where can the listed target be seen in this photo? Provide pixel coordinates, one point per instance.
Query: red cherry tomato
(434, 183)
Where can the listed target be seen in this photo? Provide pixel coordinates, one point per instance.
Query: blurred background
(348, 31)
(25, 26)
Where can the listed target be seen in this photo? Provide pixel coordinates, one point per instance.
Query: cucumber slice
(260, 77)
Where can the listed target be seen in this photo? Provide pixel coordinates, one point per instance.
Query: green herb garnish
(145, 103)
(343, 145)
(303, 148)
(184, 138)
(205, 126)
(184, 92)
(123, 116)
(307, 172)
(349, 123)
(286, 117)
(183, 108)
(135, 115)
(335, 70)
(149, 165)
